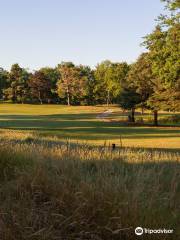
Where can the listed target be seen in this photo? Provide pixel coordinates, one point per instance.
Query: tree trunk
(40, 97)
(15, 95)
(68, 98)
(108, 98)
(132, 115)
(155, 118)
(142, 110)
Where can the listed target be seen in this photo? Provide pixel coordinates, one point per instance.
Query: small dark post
(113, 146)
(155, 118)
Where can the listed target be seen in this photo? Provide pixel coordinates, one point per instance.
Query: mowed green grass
(80, 123)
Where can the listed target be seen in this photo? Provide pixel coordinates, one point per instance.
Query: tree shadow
(83, 127)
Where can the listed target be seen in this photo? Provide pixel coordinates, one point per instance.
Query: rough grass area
(74, 192)
(81, 123)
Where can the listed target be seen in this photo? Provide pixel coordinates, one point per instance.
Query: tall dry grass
(72, 192)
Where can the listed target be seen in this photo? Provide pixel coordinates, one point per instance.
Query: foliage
(140, 78)
(164, 52)
(129, 99)
(152, 82)
(3, 81)
(71, 83)
(17, 90)
(52, 75)
(110, 78)
(40, 87)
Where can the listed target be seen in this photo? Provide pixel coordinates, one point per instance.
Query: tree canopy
(152, 81)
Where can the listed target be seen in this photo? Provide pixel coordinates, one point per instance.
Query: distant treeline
(153, 81)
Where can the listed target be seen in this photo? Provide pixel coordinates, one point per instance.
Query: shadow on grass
(98, 132)
(83, 127)
(103, 147)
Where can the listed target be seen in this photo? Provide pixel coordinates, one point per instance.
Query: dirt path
(105, 114)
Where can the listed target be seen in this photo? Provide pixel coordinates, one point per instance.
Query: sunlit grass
(80, 123)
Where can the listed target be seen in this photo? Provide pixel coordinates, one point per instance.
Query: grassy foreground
(80, 192)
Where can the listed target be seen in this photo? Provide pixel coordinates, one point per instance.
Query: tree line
(152, 82)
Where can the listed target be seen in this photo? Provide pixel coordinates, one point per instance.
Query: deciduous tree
(40, 87)
(3, 81)
(128, 100)
(110, 79)
(164, 52)
(71, 82)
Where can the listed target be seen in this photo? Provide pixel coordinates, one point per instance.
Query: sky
(39, 33)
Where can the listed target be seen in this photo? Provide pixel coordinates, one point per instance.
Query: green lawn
(81, 124)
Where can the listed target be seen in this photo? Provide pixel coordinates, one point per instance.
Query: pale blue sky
(37, 33)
